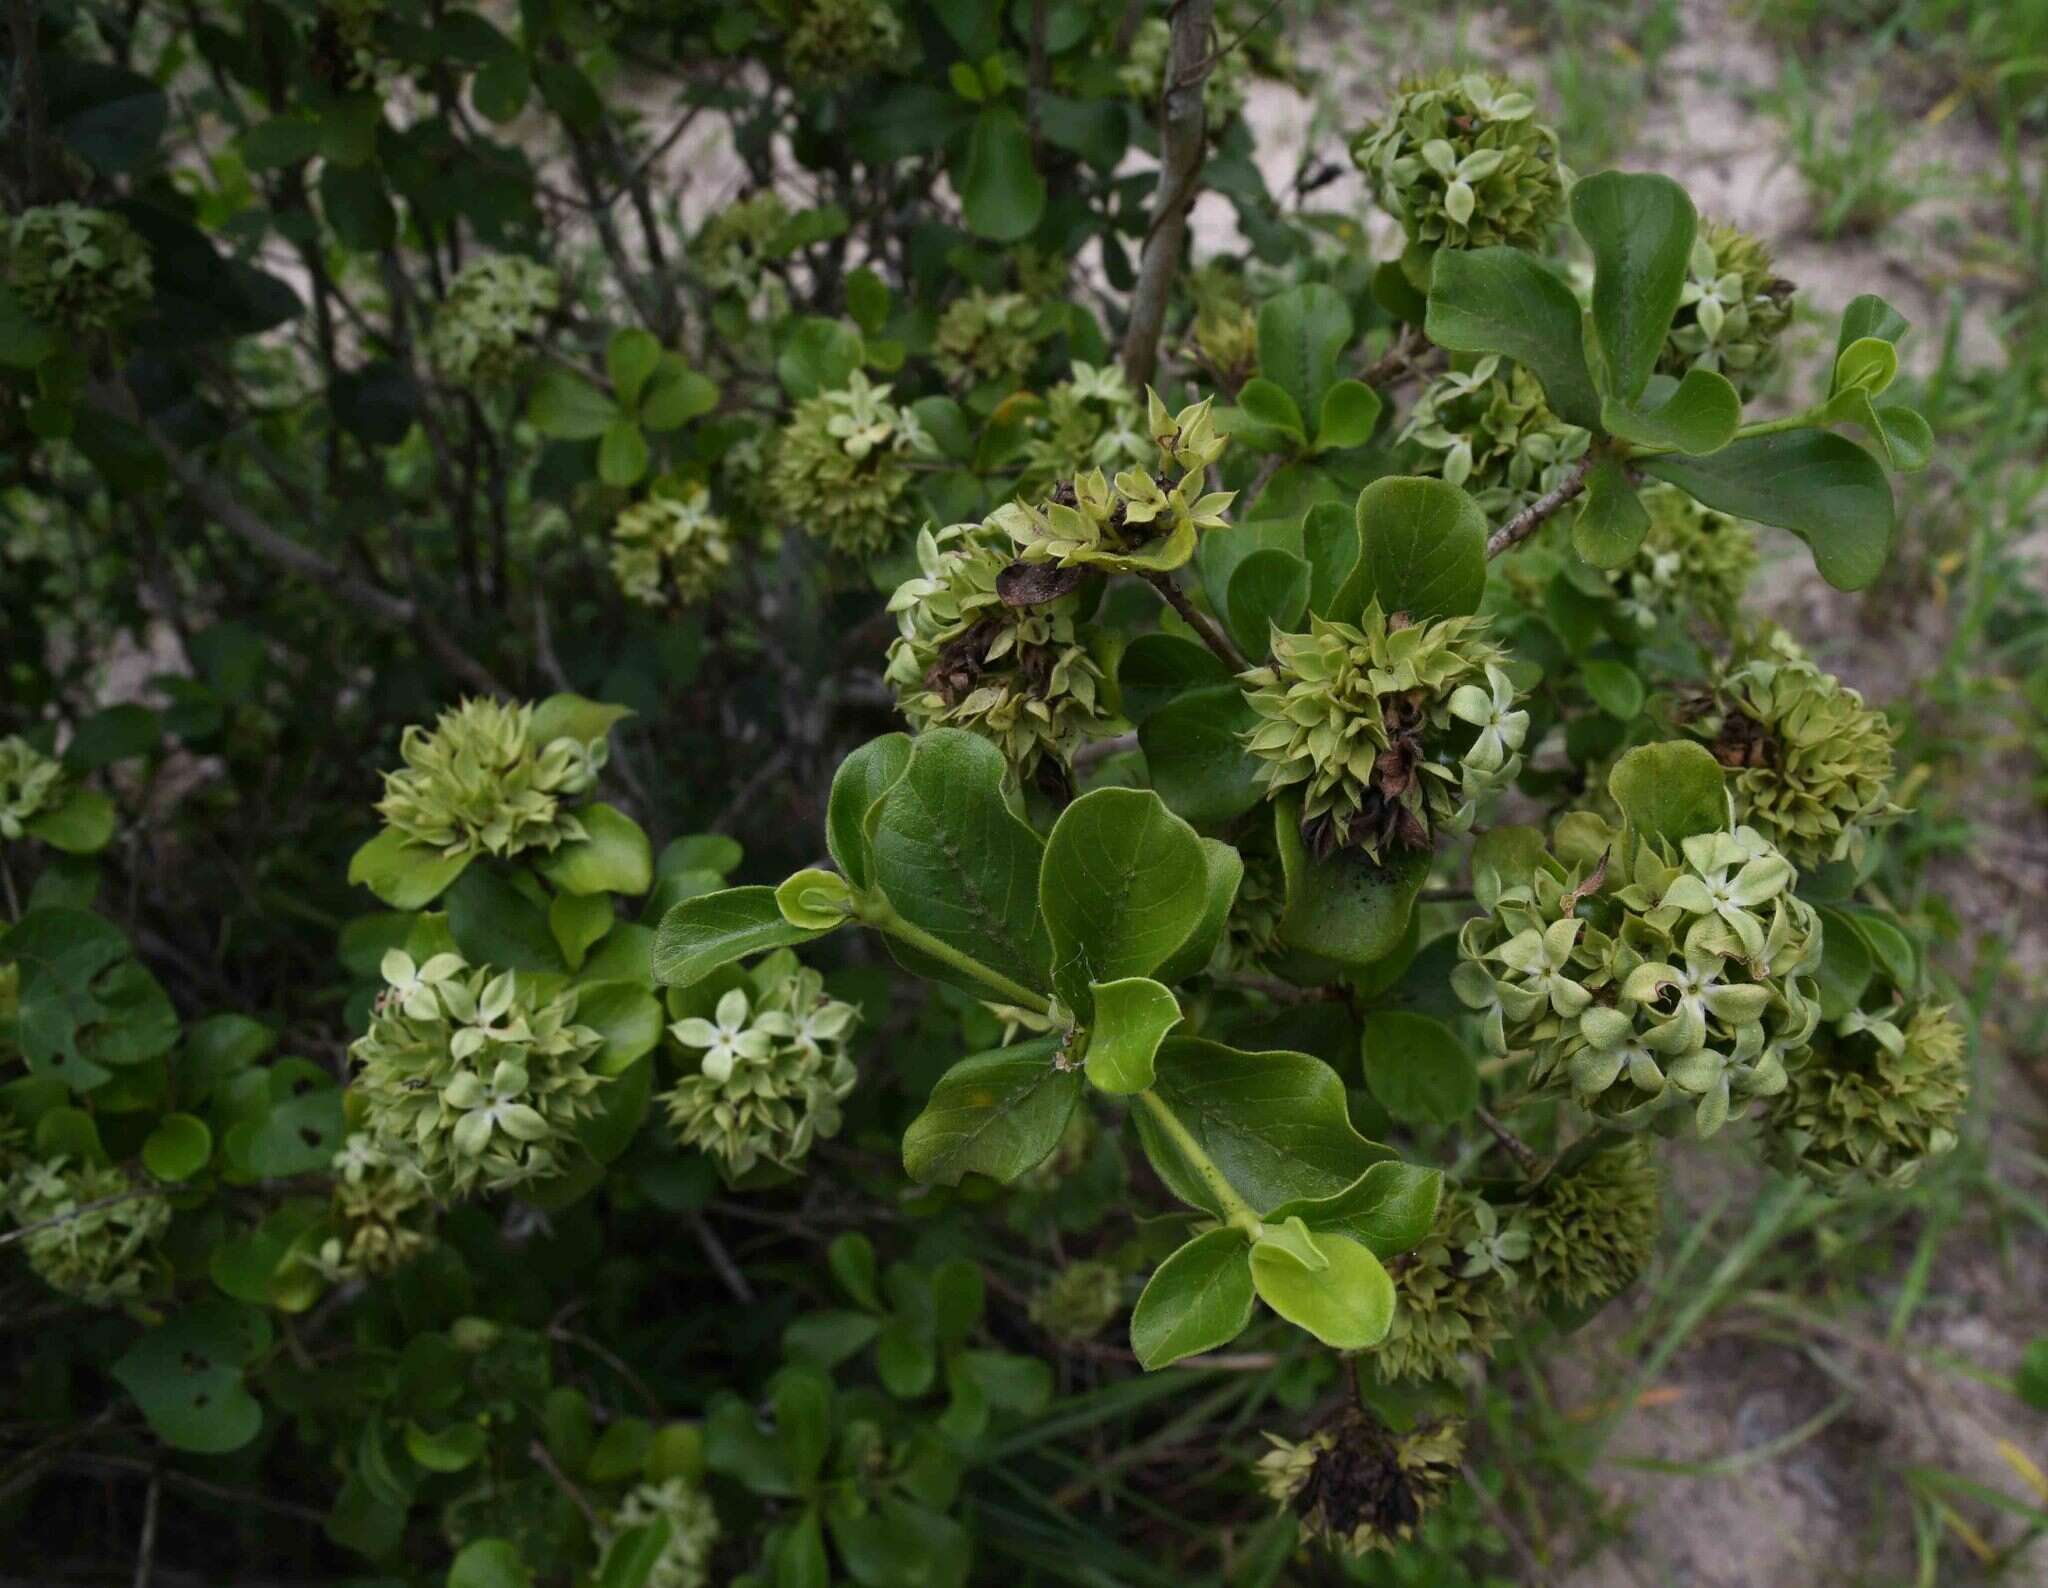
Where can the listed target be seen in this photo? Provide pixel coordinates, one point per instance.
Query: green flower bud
(1878, 1094)
(1079, 1301)
(1358, 1486)
(30, 784)
(1446, 1306)
(1461, 162)
(1809, 764)
(1091, 420)
(494, 312)
(477, 784)
(1683, 978)
(986, 336)
(1143, 74)
(734, 248)
(771, 1069)
(1593, 1227)
(671, 549)
(101, 1254)
(1489, 431)
(1362, 719)
(1693, 561)
(473, 1079)
(1017, 675)
(383, 1212)
(693, 1529)
(1732, 309)
(82, 270)
(839, 466)
(830, 41)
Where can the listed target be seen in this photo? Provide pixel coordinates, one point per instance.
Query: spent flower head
(1358, 1486)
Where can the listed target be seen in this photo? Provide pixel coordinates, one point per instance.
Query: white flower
(415, 988)
(727, 1037)
(487, 1107)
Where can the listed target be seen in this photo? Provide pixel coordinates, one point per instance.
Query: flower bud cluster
(1092, 420)
(693, 1530)
(30, 784)
(1079, 1301)
(1693, 561)
(1488, 430)
(840, 466)
(81, 269)
(476, 783)
(830, 41)
(382, 1213)
(986, 336)
(1143, 74)
(488, 323)
(1731, 311)
(1451, 1292)
(1592, 1227)
(671, 548)
(87, 1230)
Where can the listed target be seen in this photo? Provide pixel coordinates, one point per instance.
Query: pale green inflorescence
(31, 783)
(476, 783)
(475, 1079)
(1693, 561)
(1091, 420)
(1356, 1485)
(771, 1069)
(100, 1255)
(986, 336)
(693, 1530)
(1452, 1293)
(495, 310)
(1809, 764)
(1079, 1301)
(1361, 719)
(84, 270)
(830, 41)
(1143, 74)
(1731, 311)
(671, 549)
(1592, 1227)
(1686, 978)
(1137, 522)
(382, 1210)
(963, 658)
(1879, 1093)
(735, 246)
(1460, 160)
(1225, 328)
(1488, 431)
(840, 467)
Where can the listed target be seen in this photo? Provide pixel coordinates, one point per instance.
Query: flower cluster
(771, 1069)
(473, 1078)
(1358, 1486)
(1079, 1301)
(1139, 522)
(86, 1229)
(1809, 764)
(670, 549)
(30, 784)
(986, 336)
(1879, 1093)
(1361, 718)
(477, 783)
(1693, 561)
(1731, 311)
(487, 324)
(685, 1560)
(1450, 1293)
(1251, 934)
(1143, 74)
(1091, 420)
(830, 41)
(85, 270)
(733, 248)
(1460, 161)
(382, 1212)
(1488, 430)
(1592, 1227)
(1687, 976)
(839, 466)
(1225, 327)
(965, 658)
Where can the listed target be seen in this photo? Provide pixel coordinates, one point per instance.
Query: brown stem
(1537, 513)
(1183, 138)
(1206, 628)
(79, 1212)
(539, 1451)
(1398, 360)
(1525, 1156)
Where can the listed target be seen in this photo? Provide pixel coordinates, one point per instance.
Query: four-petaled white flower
(489, 1106)
(727, 1037)
(416, 988)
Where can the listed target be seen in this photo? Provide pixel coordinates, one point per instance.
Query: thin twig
(185, 1480)
(1525, 1156)
(1398, 360)
(1096, 751)
(1538, 1575)
(1183, 139)
(1533, 517)
(539, 1451)
(145, 1554)
(1206, 628)
(721, 1259)
(79, 1212)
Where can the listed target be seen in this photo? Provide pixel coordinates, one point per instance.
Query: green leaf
(569, 408)
(851, 1257)
(447, 1449)
(1268, 590)
(1824, 488)
(633, 1554)
(1908, 438)
(630, 358)
(1001, 192)
(1350, 410)
(1846, 964)
(1157, 668)
(577, 717)
(613, 856)
(1418, 1069)
(867, 300)
(1422, 551)
(1640, 227)
(501, 87)
(954, 859)
(1868, 364)
(186, 1375)
(280, 141)
(714, 929)
(1275, 1124)
(1132, 1017)
(1301, 333)
(579, 922)
(817, 355)
(1389, 1209)
(1198, 1300)
(621, 454)
(178, 1148)
(2030, 1384)
(675, 395)
(1124, 884)
(489, 1563)
(1330, 539)
(82, 825)
(24, 340)
(1892, 948)
(1612, 520)
(85, 1006)
(1223, 872)
(626, 1015)
(1615, 688)
(495, 923)
(1501, 300)
(1868, 315)
(1671, 791)
(815, 900)
(1700, 416)
(1349, 1306)
(1267, 403)
(862, 779)
(1346, 908)
(999, 1113)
